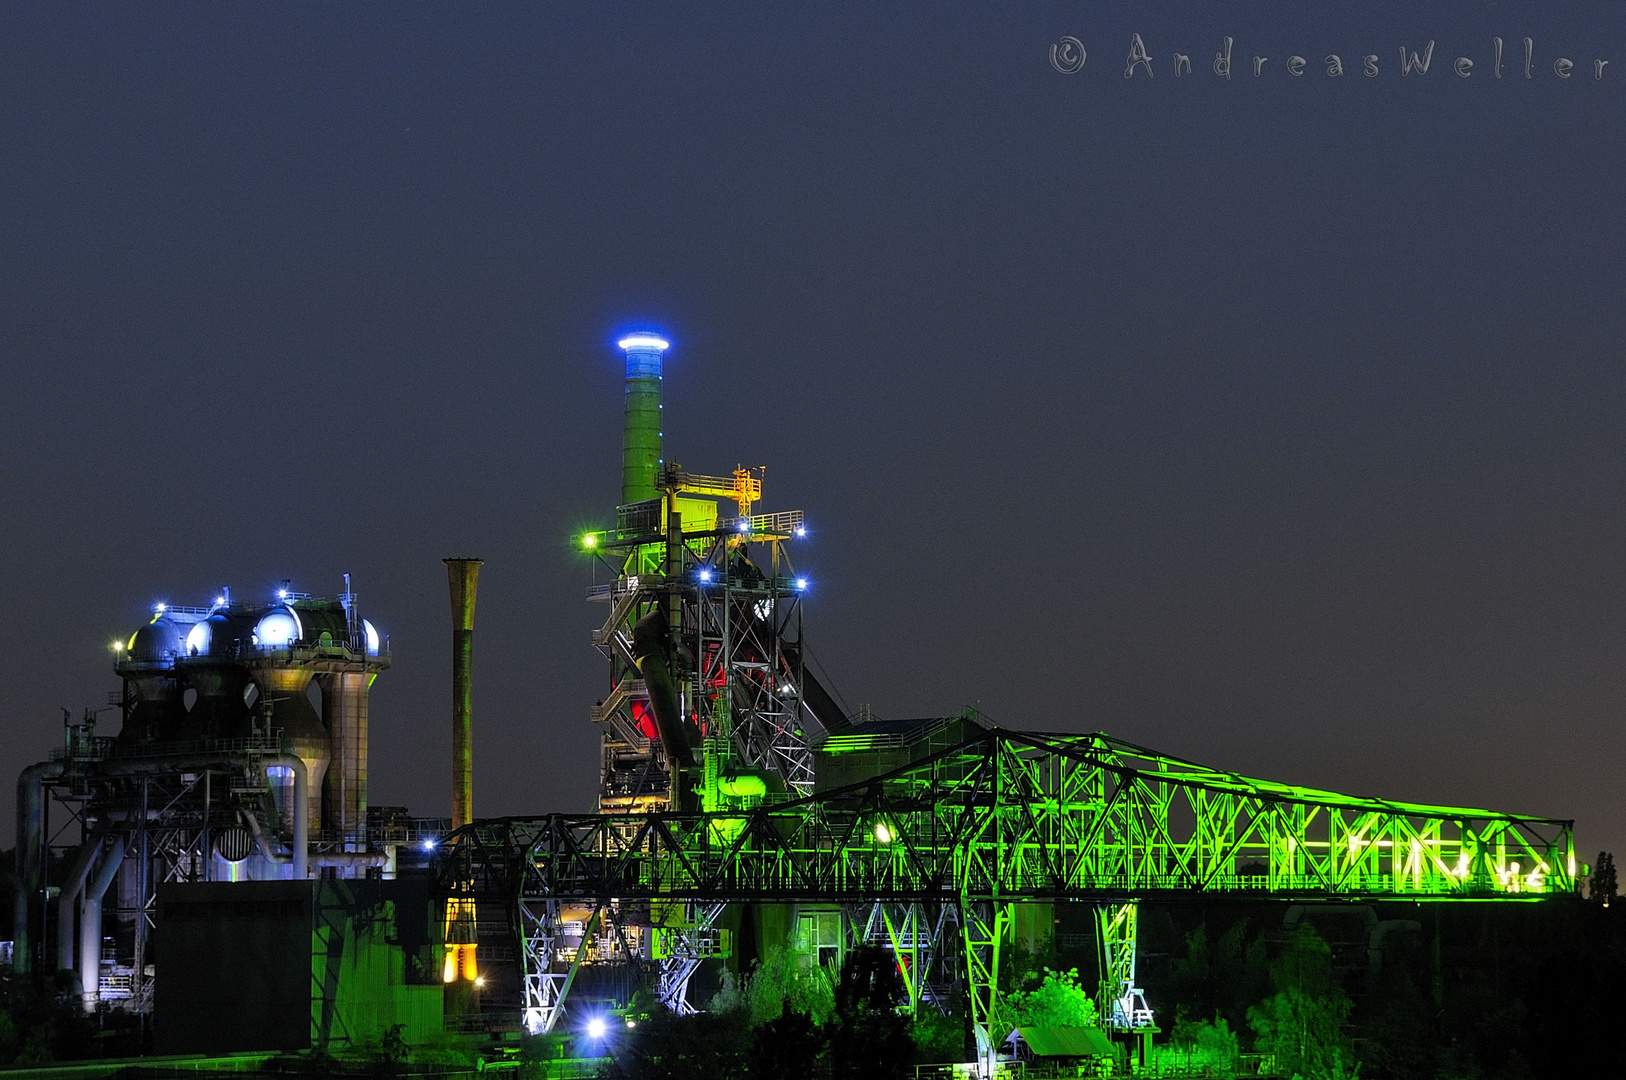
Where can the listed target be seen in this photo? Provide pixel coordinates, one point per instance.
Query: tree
(785, 1048)
(1603, 879)
(1302, 1023)
(1211, 1046)
(869, 1040)
(1058, 1001)
(785, 982)
(667, 1047)
(1222, 976)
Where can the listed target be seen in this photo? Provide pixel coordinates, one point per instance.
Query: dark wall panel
(234, 967)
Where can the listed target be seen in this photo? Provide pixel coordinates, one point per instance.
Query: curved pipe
(351, 858)
(260, 842)
(341, 858)
(302, 812)
(90, 925)
(30, 837)
(163, 765)
(650, 651)
(71, 886)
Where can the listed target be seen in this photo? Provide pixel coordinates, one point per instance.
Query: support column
(984, 926)
(544, 986)
(911, 932)
(1121, 1003)
(90, 924)
(684, 948)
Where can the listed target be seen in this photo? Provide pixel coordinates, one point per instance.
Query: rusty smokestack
(463, 575)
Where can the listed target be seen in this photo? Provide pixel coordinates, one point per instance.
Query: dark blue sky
(1272, 422)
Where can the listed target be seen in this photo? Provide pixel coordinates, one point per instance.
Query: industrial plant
(227, 878)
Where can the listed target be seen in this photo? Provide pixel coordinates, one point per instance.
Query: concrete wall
(287, 965)
(233, 967)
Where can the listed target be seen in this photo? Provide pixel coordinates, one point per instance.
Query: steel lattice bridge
(955, 839)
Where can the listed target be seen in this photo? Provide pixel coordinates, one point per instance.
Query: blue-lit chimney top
(644, 354)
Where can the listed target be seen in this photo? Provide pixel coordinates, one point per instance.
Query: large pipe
(344, 707)
(651, 649)
(463, 576)
(641, 424)
(30, 861)
(347, 859)
(814, 695)
(161, 766)
(83, 860)
(90, 925)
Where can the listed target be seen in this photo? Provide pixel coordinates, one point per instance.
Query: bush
(1199, 1044)
(869, 1039)
(939, 1037)
(705, 1046)
(782, 982)
(1058, 1001)
(786, 1048)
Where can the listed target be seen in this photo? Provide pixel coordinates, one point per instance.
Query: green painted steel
(998, 819)
(641, 431)
(1022, 816)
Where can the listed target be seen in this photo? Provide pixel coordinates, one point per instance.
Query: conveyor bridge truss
(1005, 817)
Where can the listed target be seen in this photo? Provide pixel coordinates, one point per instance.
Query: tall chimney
(463, 575)
(642, 427)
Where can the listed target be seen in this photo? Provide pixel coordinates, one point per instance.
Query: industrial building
(225, 791)
(227, 876)
(740, 810)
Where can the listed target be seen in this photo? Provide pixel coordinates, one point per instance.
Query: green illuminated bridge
(983, 818)
(1021, 816)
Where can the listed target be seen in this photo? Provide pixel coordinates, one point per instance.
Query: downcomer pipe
(30, 867)
(641, 425)
(651, 649)
(83, 860)
(163, 765)
(31, 829)
(90, 925)
(342, 858)
(463, 578)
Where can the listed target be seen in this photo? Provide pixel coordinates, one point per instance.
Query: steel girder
(1125, 1005)
(1019, 816)
(684, 949)
(1001, 818)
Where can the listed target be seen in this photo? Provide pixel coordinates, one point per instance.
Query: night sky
(1271, 422)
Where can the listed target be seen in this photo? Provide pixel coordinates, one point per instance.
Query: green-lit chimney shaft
(641, 432)
(463, 575)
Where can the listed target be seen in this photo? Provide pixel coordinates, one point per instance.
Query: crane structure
(996, 819)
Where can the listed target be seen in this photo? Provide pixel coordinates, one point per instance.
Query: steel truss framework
(740, 687)
(915, 933)
(175, 815)
(1008, 817)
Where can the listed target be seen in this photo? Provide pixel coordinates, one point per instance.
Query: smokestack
(641, 430)
(463, 575)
